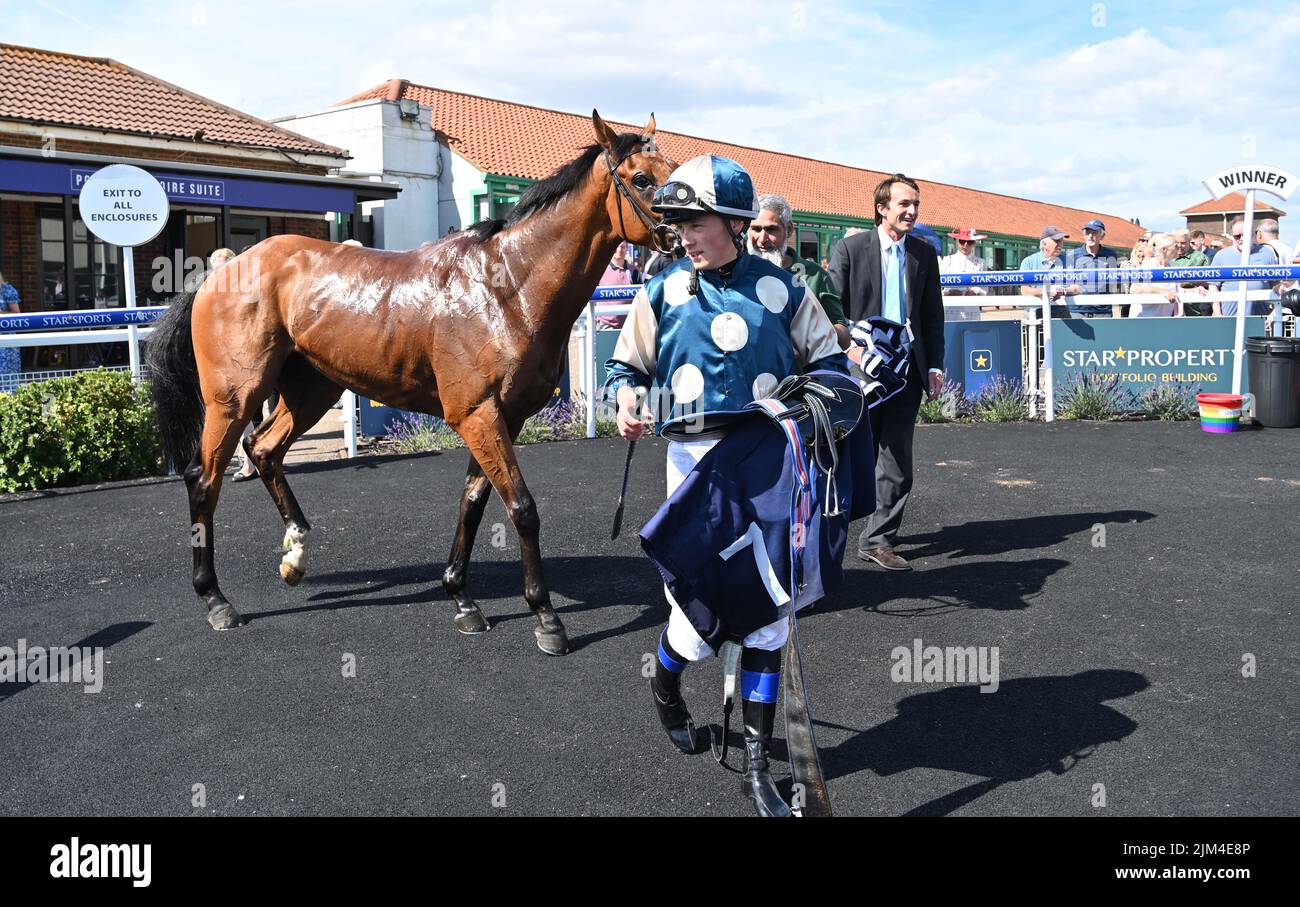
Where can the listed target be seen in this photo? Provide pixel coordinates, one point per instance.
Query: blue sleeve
(620, 374)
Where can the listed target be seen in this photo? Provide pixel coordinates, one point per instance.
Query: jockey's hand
(629, 426)
(629, 422)
(935, 383)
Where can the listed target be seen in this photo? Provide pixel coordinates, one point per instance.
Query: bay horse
(473, 329)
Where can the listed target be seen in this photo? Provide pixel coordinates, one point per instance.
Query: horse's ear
(603, 133)
(650, 127)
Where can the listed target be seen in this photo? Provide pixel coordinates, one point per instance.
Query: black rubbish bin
(1275, 380)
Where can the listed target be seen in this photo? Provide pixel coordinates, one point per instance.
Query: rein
(658, 240)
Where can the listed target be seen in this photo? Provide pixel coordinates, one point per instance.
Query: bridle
(662, 236)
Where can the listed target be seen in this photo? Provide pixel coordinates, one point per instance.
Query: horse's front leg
(488, 437)
(473, 501)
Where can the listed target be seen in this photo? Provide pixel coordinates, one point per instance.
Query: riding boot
(757, 782)
(666, 687)
(760, 681)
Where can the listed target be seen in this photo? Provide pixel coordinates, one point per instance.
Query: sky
(1116, 107)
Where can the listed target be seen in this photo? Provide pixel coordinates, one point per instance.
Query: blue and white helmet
(706, 185)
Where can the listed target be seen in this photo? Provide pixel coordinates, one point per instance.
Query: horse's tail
(177, 403)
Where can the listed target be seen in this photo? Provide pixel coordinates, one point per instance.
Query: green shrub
(948, 406)
(1092, 395)
(92, 427)
(1001, 400)
(1173, 401)
(420, 433)
(560, 421)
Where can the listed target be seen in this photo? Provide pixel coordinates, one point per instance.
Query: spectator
(619, 273)
(1226, 258)
(1200, 244)
(1268, 234)
(963, 261)
(769, 235)
(1093, 256)
(1189, 255)
(1163, 248)
(1048, 258)
(11, 359)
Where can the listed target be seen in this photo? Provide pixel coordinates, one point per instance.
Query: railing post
(1049, 391)
(350, 423)
(589, 368)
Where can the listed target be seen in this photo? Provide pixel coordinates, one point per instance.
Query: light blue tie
(894, 286)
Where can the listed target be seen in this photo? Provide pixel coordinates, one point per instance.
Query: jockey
(711, 333)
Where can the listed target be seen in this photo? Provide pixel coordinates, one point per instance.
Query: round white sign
(123, 205)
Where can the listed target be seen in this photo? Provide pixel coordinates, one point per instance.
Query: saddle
(825, 406)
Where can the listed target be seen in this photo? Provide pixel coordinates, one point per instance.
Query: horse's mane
(545, 193)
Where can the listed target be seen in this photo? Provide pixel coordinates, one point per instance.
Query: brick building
(231, 179)
(491, 150)
(1215, 216)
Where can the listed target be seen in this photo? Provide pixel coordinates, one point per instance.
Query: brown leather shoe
(885, 557)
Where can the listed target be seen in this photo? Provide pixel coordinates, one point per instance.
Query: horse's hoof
(552, 642)
(224, 617)
(291, 574)
(471, 622)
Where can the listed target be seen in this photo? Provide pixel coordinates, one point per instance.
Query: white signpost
(1249, 178)
(125, 207)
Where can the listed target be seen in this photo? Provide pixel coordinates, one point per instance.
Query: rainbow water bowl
(1219, 412)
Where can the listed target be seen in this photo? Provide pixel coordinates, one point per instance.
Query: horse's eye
(641, 181)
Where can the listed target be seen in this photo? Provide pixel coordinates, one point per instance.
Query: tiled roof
(518, 140)
(1232, 203)
(47, 87)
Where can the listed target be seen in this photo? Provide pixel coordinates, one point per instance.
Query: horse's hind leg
(469, 619)
(221, 430)
(488, 436)
(305, 396)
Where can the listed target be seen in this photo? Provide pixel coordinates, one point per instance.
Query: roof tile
(1232, 203)
(518, 140)
(48, 87)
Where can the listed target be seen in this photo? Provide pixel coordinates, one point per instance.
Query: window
(95, 266)
(246, 231)
(808, 244)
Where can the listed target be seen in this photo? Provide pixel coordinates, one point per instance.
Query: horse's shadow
(100, 639)
(1028, 726)
(592, 582)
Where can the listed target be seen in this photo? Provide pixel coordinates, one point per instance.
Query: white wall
(460, 181)
(384, 146)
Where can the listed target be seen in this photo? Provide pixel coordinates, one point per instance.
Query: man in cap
(964, 261)
(888, 274)
(1051, 243)
(1093, 256)
(769, 237)
(708, 335)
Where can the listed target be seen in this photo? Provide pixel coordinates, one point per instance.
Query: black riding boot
(666, 687)
(757, 781)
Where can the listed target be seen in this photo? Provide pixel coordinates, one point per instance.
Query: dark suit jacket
(855, 270)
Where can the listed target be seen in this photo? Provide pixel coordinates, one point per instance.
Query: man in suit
(885, 273)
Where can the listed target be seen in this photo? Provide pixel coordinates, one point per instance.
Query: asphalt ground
(1120, 664)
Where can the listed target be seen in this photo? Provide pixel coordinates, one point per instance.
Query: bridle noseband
(661, 234)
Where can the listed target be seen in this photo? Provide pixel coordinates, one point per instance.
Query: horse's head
(636, 169)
